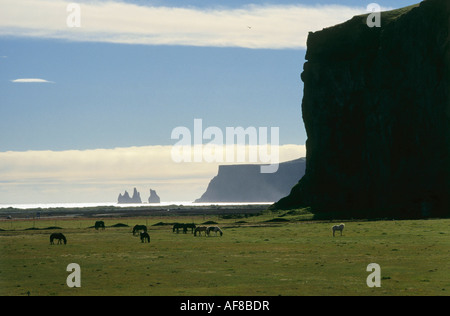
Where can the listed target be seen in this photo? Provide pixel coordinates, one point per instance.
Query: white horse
(339, 228)
(214, 229)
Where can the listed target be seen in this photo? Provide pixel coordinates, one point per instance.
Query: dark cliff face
(376, 108)
(246, 183)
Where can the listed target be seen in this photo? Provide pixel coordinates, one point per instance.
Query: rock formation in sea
(125, 198)
(246, 183)
(154, 198)
(376, 109)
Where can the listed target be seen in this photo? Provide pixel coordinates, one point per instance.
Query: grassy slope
(292, 258)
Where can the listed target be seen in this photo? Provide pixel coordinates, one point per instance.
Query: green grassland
(270, 254)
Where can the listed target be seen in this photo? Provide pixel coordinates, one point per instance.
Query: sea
(115, 204)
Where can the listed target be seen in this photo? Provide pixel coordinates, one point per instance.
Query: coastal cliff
(246, 183)
(376, 109)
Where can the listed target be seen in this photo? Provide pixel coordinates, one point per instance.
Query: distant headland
(245, 183)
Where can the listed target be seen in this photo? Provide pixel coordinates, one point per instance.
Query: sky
(90, 94)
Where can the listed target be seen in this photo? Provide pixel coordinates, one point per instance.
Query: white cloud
(31, 80)
(272, 26)
(100, 175)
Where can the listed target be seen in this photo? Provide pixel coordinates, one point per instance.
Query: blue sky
(135, 70)
(109, 95)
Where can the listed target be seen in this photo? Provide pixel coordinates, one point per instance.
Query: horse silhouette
(145, 237)
(185, 227)
(61, 238)
(99, 224)
(139, 228)
(199, 230)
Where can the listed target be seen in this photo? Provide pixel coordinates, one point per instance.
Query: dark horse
(185, 227)
(145, 236)
(99, 224)
(138, 228)
(191, 226)
(58, 236)
(200, 229)
(176, 227)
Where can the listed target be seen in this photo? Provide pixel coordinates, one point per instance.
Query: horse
(200, 229)
(187, 226)
(138, 228)
(99, 224)
(177, 226)
(214, 229)
(58, 236)
(145, 236)
(339, 228)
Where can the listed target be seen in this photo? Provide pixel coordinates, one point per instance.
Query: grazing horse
(200, 229)
(214, 229)
(339, 228)
(99, 224)
(177, 227)
(58, 236)
(138, 228)
(144, 236)
(189, 226)
(185, 227)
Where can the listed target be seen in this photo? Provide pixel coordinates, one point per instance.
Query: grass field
(253, 257)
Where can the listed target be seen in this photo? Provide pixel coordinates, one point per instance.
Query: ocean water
(115, 204)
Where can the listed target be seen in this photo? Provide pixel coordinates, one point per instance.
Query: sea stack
(154, 198)
(376, 108)
(125, 198)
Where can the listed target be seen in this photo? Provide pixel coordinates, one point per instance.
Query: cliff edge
(376, 109)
